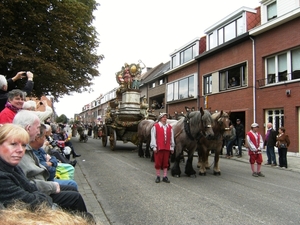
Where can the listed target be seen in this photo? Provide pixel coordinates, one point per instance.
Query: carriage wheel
(113, 139)
(104, 136)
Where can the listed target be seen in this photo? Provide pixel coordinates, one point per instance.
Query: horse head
(223, 124)
(207, 123)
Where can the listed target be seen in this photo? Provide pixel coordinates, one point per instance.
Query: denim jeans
(239, 142)
(67, 182)
(271, 155)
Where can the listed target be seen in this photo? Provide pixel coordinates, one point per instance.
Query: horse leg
(175, 171)
(141, 152)
(203, 152)
(147, 152)
(189, 165)
(217, 170)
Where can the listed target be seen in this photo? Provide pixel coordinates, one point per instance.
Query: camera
(41, 103)
(25, 74)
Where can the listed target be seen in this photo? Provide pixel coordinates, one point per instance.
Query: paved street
(119, 188)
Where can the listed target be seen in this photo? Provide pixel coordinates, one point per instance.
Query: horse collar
(188, 130)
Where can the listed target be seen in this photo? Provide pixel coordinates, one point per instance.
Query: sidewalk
(92, 204)
(293, 159)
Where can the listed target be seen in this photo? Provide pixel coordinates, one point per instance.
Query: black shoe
(75, 155)
(73, 163)
(165, 179)
(157, 180)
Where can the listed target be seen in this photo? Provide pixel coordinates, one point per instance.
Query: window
(185, 54)
(283, 67)
(272, 11)
(220, 36)
(229, 31)
(276, 117)
(174, 61)
(226, 33)
(181, 89)
(161, 81)
(207, 84)
(188, 54)
(153, 85)
(233, 77)
(296, 64)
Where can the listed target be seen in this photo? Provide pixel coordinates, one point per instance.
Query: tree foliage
(62, 119)
(55, 39)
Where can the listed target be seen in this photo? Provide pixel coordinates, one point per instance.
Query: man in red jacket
(162, 143)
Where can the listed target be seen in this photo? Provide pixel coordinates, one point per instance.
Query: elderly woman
(15, 102)
(9, 84)
(283, 142)
(14, 186)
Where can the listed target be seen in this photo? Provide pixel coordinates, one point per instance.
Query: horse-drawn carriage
(126, 111)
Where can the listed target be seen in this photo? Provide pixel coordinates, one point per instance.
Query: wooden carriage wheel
(113, 139)
(104, 135)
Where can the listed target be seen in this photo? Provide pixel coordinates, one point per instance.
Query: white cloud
(135, 30)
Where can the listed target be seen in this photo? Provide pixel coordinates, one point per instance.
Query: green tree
(54, 39)
(62, 119)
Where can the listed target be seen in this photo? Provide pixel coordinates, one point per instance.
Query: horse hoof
(217, 173)
(202, 174)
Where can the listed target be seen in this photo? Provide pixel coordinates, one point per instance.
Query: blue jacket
(41, 155)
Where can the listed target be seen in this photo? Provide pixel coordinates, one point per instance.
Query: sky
(133, 30)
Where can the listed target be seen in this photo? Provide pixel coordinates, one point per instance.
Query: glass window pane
(170, 91)
(239, 26)
(271, 70)
(223, 82)
(296, 64)
(230, 31)
(188, 54)
(191, 87)
(282, 67)
(220, 36)
(272, 10)
(183, 88)
(211, 41)
(176, 91)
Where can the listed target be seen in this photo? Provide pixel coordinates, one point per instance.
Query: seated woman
(14, 185)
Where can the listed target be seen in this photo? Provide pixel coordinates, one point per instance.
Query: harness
(186, 125)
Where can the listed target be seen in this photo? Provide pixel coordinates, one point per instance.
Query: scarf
(11, 107)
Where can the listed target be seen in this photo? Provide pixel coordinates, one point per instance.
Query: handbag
(282, 145)
(64, 171)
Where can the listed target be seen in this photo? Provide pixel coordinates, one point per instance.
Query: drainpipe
(254, 79)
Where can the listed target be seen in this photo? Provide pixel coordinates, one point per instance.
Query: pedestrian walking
(230, 142)
(255, 144)
(162, 143)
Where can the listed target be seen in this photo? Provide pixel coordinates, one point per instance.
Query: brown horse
(221, 131)
(187, 132)
(144, 136)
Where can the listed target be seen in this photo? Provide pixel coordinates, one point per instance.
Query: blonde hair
(19, 213)
(17, 132)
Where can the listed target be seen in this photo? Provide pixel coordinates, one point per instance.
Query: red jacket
(7, 116)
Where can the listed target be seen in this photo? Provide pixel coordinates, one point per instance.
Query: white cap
(161, 115)
(254, 125)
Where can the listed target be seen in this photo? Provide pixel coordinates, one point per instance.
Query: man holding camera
(7, 85)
